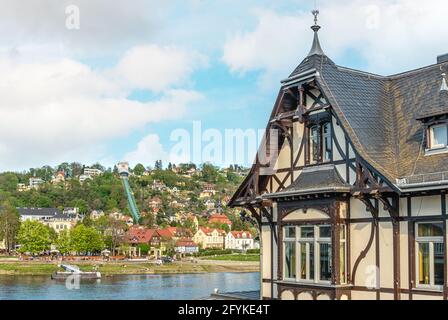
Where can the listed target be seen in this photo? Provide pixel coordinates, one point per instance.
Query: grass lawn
(27, 268)
(235, 257)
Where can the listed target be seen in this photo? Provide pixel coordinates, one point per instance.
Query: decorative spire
(316, 48)
(444, 87)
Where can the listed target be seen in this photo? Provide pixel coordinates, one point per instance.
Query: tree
(86, 240)
(158, 165)
(148, 220)
(9, 225)
(114, 233)
(139, 169)
(210, 173)
(63, 243)
(34, 237)
(76, 169)
(81, 204)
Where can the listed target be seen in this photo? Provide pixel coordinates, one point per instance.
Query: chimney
(443, 58)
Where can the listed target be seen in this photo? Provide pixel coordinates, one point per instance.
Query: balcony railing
(428, 178)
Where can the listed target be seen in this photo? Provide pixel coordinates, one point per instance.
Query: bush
(212, 252)
(253, 251)
(144, 249)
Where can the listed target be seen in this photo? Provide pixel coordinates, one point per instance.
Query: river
(130, 287)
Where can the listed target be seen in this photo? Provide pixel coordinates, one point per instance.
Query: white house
(36, 182)
(51, 217)
(239, 240)
(92, 172)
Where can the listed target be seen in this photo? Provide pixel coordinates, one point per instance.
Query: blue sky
(132, 73)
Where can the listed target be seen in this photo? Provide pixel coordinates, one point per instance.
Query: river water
(130, 287)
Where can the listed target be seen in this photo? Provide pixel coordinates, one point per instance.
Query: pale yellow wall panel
(386, 255)
(358, 209)
(266, 252)
(342, 170)
(359, 236)
(386, 296)
(404, 255)
(351, 152)
(363, 295)
(266, 290)
(352, 176)
(426, 297)
(284, 157)
(340, 137)
(297, 141)
(426, 206)
(311, 214)
(403, 207)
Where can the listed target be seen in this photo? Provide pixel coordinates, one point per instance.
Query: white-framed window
(308, 252)
(429, 255)
(438, 137)
(289, 249)
(320, 143)
(314, 144)
(327, 143)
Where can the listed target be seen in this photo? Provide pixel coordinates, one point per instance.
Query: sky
(142, 80)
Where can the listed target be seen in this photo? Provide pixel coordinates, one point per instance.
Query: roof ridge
(392, 76)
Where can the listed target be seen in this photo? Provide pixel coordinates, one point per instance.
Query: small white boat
(74, 271)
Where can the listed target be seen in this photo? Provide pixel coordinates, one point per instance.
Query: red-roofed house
(239, 240)
(186, 246)
(141, 235)
(220, 219)
(210, 238)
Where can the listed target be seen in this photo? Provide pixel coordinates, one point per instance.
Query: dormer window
(437, 137)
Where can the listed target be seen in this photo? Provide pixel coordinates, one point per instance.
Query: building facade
(210, 238)
(186, 246)
(239, 240)
(51, 217)
(351, 195)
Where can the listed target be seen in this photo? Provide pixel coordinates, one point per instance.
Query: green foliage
(34, 237)
(64, 243)
(144, 248)
(86, 240)
(139, 169)
(212, 252)
(9, 225)
(210, 173)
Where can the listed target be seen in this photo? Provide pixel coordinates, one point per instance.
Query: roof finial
(316, 16)
(444, 87)
(316, 48)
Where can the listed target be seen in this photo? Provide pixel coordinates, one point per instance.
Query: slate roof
(44, 212)
(314, 180)
(380, 113)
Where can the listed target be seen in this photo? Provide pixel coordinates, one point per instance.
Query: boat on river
(74, 271)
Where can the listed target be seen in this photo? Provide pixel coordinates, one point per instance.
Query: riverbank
(38, 268)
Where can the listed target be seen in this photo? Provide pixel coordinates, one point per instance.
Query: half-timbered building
(355, 206)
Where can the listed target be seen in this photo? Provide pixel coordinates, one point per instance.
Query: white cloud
(157, 68)
(104, 26)
(391, 36)
(148, 151)
(62, 110)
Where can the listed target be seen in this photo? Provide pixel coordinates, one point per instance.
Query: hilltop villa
(353, 203)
